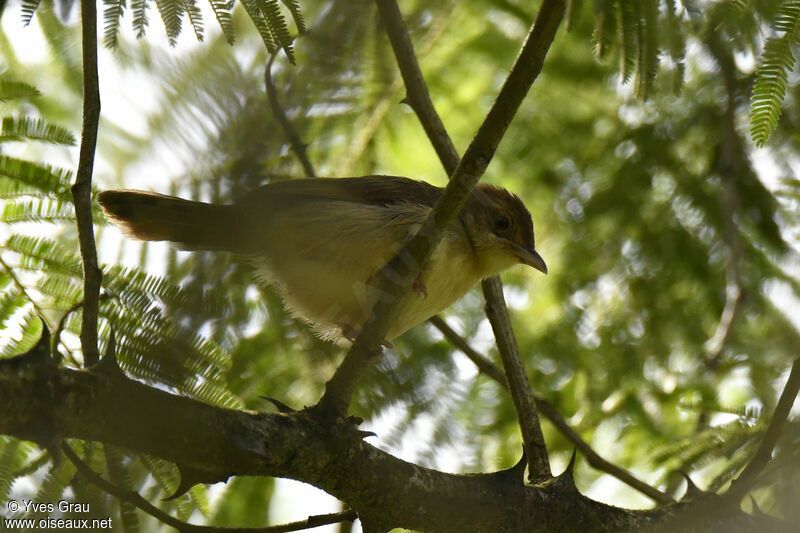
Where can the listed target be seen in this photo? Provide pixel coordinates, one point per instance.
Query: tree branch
(297, 145)
(47, 404)
(417, 94)
(517, 377)
(82, 188)
(549, 411)
(763, 454)
(521, 77)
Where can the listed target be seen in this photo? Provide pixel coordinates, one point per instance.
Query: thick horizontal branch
(45, 403)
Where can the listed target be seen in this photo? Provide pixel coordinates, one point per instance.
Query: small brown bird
(319, 241)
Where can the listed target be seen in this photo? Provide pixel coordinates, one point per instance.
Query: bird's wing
(371, 190)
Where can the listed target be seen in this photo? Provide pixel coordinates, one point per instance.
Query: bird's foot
(350, 333)
(419, 287)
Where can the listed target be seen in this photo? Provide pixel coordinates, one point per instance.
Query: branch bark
(46, 404)
(297, 144)
(763, 454)
(82, 188)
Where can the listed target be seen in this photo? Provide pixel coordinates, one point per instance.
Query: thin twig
(395, 279)
(549, 411)
(417, 94)
(483, 363)
(524, 72)
(763, 454)
(136, 499)
(82, 188)
(297, 145)
(518, 384)
(728, 167)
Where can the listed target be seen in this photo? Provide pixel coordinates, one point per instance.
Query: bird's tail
(156, 217)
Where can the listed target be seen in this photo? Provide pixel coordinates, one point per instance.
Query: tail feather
(156, 217)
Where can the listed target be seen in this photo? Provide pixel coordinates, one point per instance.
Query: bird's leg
(350, 333)
(419, 287)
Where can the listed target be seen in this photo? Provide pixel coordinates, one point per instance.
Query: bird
(320, 242)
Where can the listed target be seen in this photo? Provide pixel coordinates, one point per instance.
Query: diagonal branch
(763, 454)
(295, 142)
(82, 188)
(549, 411)
(395, 279)
(524, 72)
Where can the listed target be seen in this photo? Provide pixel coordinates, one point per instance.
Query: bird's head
(500, 230)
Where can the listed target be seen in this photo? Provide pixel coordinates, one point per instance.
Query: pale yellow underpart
(326, 283)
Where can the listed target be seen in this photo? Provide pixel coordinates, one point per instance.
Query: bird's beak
(532, 258)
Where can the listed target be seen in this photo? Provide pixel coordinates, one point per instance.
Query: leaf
(10, 89)
(769, 88)
(25, 177)
(277, 26)
(29, 7)
(37, 129)
(224, 18)
(629, 35)
(195, 17)
(112, 14)
(140, 20)
(605, 31)
(171, 12)
(294, 8)
(53, 211)
(255, 14)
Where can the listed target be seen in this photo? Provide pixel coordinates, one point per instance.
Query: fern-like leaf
(277, 26)
(31, 327)
(25, 176)
(112, 14)
(629, 36)
(606, 28)
(254, 12)
(38, 129)
(648, 47)
(52, 211)
(42, 254)
(29, 7)
(769, 88)
(140, 20)
(10, 89)
(171, 12)
(224, 18)
(195, 17)
(297, 15)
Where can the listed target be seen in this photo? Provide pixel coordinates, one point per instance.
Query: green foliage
(15, 129)
(10, 89)
(112, 14)
(29, 7)
(777, 61)
(626, 193)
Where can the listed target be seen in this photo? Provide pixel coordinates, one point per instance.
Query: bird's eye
(501, 223)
